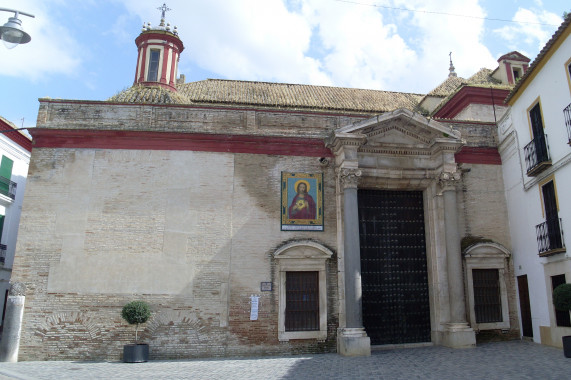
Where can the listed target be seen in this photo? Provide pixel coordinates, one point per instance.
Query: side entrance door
(394, 276)
(524, 306)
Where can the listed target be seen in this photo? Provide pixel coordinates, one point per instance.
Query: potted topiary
(135, 313)
(562, 301)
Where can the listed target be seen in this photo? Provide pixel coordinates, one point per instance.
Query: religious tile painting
(302, 201)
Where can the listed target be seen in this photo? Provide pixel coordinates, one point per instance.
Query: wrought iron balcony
(567, 115)
(537, 156)
(550, 237)
(3, 253)
(8, 188)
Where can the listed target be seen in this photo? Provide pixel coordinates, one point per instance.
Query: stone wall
(192, 233)
(91, 115)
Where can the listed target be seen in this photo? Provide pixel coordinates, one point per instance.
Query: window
(487, 299)
(568, 72)
(537, 151)
(302, 285)
(486, 270)
(567, 110)
(302, 301)
(561, 317)
(517, 73)
(2, 246)
(153, 65)
(549, 234)
(6, 186)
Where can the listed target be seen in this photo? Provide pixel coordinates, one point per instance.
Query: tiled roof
(452, 84)
(558, 33)
(149, 94)
(447, 87)
(484, 77)
(274, 95)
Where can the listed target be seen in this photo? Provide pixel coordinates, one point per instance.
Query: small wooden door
(524, 306)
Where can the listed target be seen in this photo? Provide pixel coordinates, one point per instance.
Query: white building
(535, 147)
(15, 149)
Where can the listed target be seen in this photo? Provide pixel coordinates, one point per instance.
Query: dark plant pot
(135, 353)
(567, 346)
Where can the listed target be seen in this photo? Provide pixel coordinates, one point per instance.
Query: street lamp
(12, 33)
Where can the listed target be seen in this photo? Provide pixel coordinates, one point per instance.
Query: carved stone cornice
(338, 140)
(349, 177)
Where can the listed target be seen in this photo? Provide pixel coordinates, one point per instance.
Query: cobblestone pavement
(505, 360)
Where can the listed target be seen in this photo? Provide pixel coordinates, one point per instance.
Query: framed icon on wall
(302, 201)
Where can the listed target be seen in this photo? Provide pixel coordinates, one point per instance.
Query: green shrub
(135, 313)
(562, 297)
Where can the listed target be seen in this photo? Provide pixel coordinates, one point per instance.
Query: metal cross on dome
(163, 9)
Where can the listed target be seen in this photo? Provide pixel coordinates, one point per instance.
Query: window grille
(487, 298)
(302, 301)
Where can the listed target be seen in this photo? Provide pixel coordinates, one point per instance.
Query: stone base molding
(10, 343)
(458, 335)
(353, 342)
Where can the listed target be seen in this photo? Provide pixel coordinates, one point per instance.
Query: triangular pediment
(402, 129)
(514, 56)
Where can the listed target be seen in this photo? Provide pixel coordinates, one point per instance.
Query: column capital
(349, 177)
(448, 180)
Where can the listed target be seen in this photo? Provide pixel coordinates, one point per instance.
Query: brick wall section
(102, 227)
(484, 214)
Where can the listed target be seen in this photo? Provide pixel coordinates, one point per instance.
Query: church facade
(265, 218)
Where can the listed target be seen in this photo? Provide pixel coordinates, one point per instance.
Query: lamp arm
(17, 12)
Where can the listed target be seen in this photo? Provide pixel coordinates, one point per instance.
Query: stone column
(353, 340)
(10, 343)
(459, 334)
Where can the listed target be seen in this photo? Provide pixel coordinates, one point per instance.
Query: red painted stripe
(509, 72)
(468, 95)
(475, 155)
(287, 146)
(143, 63)
(172, 79)
(14, 135)
(166, 50)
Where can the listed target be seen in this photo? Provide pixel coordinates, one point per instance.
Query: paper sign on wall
(254, 301)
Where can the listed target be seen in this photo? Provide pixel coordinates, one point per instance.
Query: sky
(85, 49)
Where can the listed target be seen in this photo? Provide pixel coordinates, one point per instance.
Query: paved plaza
(505, 360)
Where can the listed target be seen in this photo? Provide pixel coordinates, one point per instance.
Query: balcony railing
(3, 253)
(8, 188)
(550, 237)
(537, 155)
(567, 115)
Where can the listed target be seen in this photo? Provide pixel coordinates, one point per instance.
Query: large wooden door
(393, 267)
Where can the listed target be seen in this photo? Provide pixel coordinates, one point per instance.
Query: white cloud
(327, 42)
(52, 49)
(247, 39)
(361, 50)
(439, 34)
(297, 41)
(528, 31)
